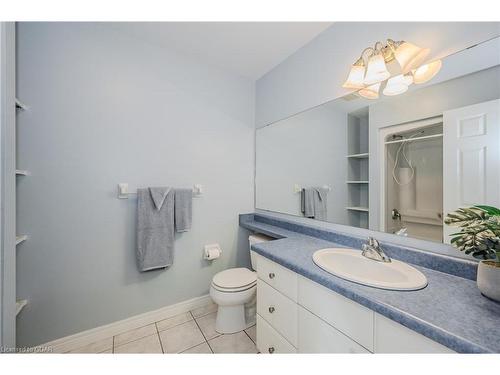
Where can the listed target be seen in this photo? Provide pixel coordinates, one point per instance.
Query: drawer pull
(271, 275)
(271, 309)
(271, 350)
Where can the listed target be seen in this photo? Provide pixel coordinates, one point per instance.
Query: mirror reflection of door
(472, 157)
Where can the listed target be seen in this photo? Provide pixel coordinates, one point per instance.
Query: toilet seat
(234, 280)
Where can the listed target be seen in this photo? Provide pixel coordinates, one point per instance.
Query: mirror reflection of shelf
(360, 209)
(359, 156)
(358, 159)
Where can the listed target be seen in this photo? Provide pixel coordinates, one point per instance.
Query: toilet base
(234, 317)
(230, 319)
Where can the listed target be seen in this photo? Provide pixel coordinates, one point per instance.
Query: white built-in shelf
(20, 238)
(359, 156)
(360, 209)
(357, 182)
(20, 105)
(20, 305)
(22, 172)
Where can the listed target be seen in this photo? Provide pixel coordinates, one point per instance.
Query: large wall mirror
(395, 164)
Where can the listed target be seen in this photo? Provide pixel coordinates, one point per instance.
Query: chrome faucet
(372, 250)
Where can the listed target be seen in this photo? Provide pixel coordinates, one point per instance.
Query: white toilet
(233, 290)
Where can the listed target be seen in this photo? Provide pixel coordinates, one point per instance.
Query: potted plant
(479, 236)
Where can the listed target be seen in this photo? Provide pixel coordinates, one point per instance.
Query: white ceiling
(249, 49)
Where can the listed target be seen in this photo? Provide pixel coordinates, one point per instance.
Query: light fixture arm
(363, 59)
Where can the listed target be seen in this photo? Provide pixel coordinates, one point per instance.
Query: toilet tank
(253, 239)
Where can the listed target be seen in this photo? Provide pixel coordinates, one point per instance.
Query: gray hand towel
(309, 202)
(320, 200)
(158, 194)
(302, 201)
(183, 209)
(155, 228)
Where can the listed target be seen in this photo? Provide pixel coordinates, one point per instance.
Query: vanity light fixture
(397, 63)
(370, 92)
(396, 85)
(376, 70)
(426, 72)
(356, 77)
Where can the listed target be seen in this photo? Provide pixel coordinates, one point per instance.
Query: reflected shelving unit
(358, 158)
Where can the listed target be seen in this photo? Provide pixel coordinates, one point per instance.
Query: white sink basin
(350, 265)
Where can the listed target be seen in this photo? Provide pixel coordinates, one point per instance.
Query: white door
(471, 158)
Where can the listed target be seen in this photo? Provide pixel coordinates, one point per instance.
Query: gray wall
(105, 109)
(308, 149)
(432, 101)
(314, 74)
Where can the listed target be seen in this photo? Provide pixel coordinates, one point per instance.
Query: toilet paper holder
(212, 251)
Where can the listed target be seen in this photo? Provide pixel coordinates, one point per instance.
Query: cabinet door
(349, 317)
(471, 155)
(269, 340)
(279, 311)
(279, 277)
(316, 336)
(392, 337)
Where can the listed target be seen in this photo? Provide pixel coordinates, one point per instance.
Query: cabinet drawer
(277, 276)
(316, 336)
(270, 341)
(392, 337)
(279, 311)
(347, 316)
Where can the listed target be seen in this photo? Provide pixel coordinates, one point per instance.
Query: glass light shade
(396, 85)
(427, 71)
(409, 56)
(355, 78)
(376, 70)
(370, 92)
(408, 79)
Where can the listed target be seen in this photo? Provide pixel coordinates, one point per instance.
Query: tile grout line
(245, 330)
(157, 332)
(175, 325)
(159, 338)
(206, 341)
(128, 342)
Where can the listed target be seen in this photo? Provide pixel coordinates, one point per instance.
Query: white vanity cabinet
(297, 315)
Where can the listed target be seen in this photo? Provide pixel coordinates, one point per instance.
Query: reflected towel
(320, 200)
(314, 202)
(309, 194)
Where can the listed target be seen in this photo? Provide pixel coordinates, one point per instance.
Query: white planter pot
(488, 280)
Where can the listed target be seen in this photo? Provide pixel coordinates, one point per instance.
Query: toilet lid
(234, 278)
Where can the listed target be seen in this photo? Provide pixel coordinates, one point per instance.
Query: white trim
(68, 343)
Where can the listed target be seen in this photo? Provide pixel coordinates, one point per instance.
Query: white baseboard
(65, 344)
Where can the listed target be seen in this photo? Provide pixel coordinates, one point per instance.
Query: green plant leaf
(490, 210)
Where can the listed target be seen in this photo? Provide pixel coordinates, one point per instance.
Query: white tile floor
(191, 332)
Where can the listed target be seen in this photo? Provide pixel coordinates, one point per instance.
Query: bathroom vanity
(303, 309)
(297, 315)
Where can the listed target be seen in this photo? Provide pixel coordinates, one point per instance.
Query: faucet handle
(373, 242)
